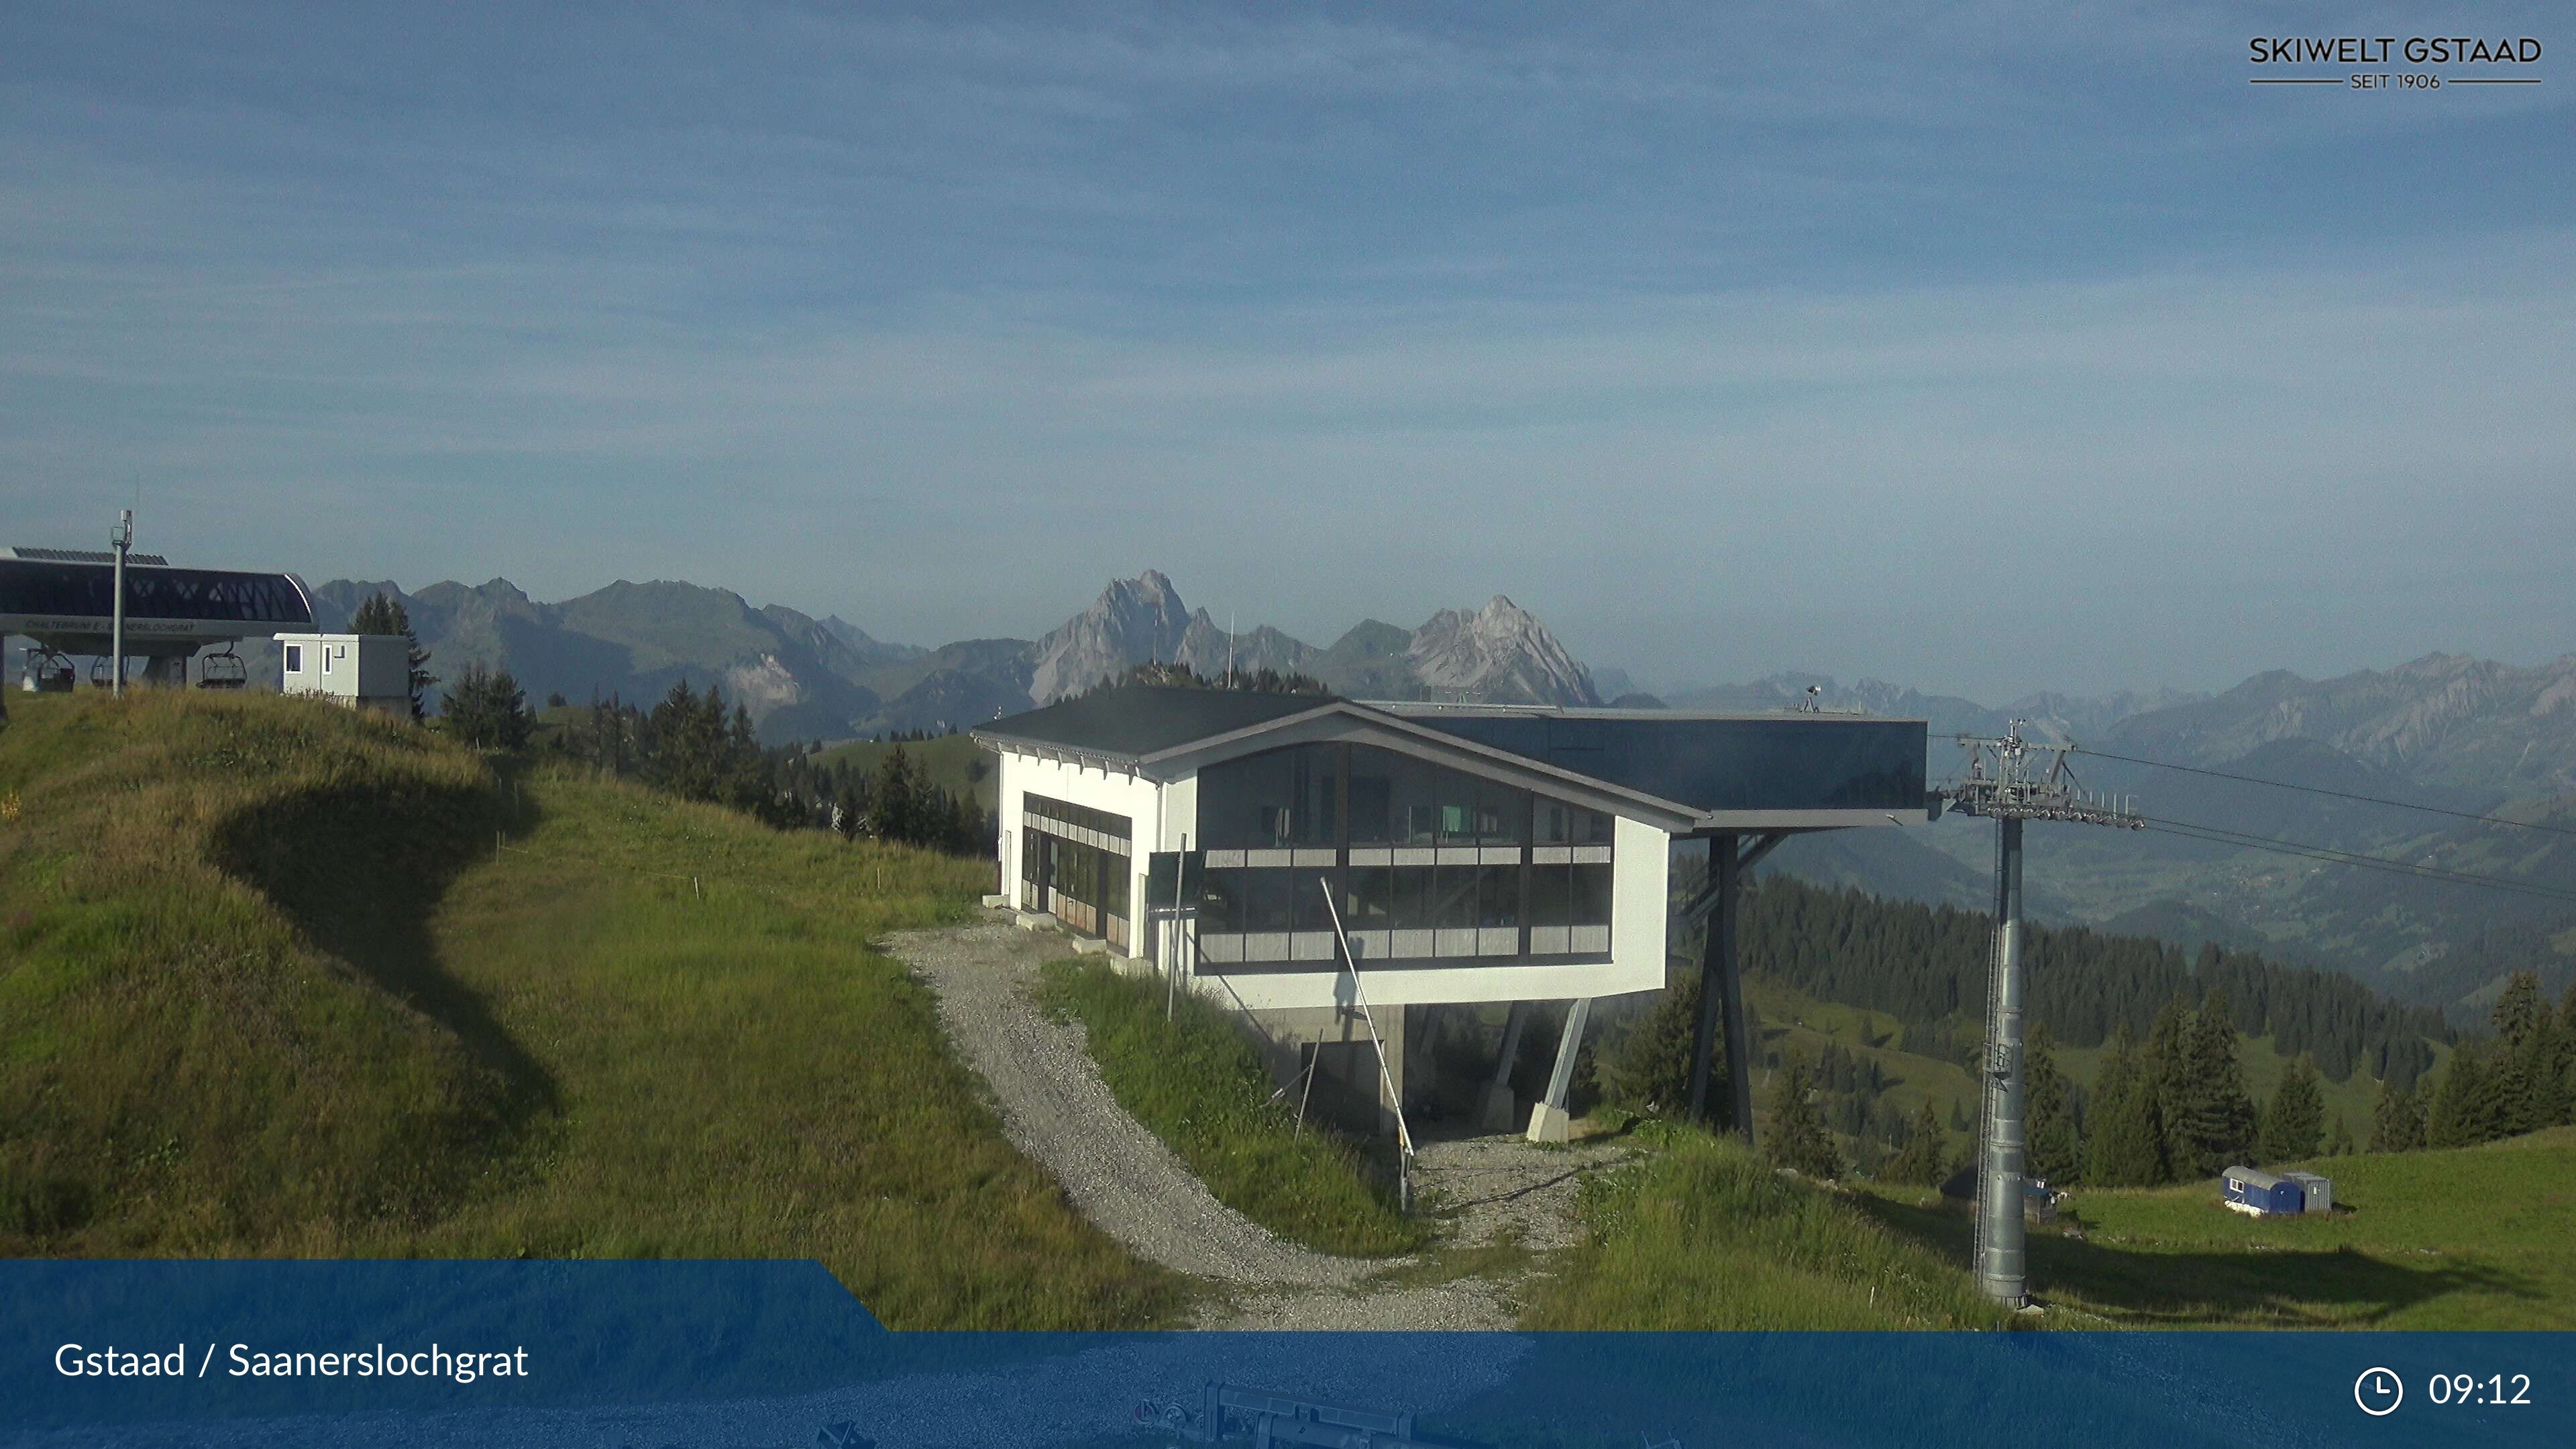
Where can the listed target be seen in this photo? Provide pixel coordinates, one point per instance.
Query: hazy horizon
(1987, 349)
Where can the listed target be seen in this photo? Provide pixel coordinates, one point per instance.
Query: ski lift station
(66, 603)
(1468, 854)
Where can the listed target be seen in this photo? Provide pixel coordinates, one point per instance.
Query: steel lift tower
(2011, 780)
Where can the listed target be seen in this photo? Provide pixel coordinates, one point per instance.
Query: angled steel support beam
(1721, 981)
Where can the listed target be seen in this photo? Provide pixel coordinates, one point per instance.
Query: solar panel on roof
(86, 555)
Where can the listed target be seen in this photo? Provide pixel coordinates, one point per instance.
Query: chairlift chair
(222, 669)
(100, 675)
(48, 672)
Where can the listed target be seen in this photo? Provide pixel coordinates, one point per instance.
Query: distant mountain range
(807, 678)
(2445, 730)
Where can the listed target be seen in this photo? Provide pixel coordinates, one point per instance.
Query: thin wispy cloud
(1727, 343)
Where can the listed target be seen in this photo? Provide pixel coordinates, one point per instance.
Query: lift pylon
(2010, 780)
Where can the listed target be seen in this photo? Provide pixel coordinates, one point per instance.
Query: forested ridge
(1927, 967)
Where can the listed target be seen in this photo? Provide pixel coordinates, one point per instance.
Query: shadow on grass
(361, 870)
(2293, 1287)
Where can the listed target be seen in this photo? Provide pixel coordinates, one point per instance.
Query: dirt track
(1482, 1192)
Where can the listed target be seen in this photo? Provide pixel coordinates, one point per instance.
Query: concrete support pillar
(1549, 1121)
(1497, 1109)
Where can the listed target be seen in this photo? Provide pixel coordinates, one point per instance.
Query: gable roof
(1132, 722)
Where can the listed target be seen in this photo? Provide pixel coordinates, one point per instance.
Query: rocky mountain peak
(1133, 620)
(1501, 653)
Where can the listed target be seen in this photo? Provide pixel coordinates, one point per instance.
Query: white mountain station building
(1472, 853)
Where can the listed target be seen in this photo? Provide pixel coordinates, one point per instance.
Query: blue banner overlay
(663, 1355)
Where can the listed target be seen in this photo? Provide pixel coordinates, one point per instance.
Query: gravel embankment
(1055, 1108)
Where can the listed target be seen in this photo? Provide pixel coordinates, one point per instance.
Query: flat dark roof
(1136, 720)
(1702, 765)
(1709, 762)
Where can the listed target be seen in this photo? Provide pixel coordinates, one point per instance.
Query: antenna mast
(123, 539)
(2011, 780)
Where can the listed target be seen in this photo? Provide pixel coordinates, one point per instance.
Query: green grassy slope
(1703, 1235)
(272, 986)
(2473, 1238)
(1196, 1083)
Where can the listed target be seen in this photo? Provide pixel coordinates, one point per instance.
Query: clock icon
(2378, 1391)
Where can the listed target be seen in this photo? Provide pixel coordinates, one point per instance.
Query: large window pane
(1555, 822)
(1456, 908)
(1244, 803)
(1221, 900)
(1308, 905)
(1410, 791)
(1266, 895)
(1373, 821)
(1315, 792)
(1498, 895)
(1591, 895)
(1415, 898)
(1551, 900)
(1502, 815)
(1370, 902)
(1457, 808)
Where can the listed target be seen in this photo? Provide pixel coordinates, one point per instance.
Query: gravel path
(1055, 1108)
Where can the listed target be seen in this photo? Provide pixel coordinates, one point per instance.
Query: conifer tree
(1925, 1158)
(2217, 1122)
(381, 613)
(898, 799)
(2055, 1152)
(2339, 1142)
(2128, 1146)
(1795, 1135)
(2295, 1121)
(1650, 1069)
(2397, 1125)
(2464, 1111)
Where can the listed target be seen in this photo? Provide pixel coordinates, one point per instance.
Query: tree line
(1927, 967)
(2170, 1103)
(693, 745)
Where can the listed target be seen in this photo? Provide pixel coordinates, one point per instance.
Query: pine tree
(2397, 1125)
(2464, 1111)
(2295, 1121)
(899, 799)
(1650, 1069)
(2055, 1152)
(487, 710)
(2339, 1143)
(1795, 1136)
(2164, 1068)
(2128, 1146)
(1924, 1160)
(381, 613)
(2216, 1122)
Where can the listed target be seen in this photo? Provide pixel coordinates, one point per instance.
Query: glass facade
(1426, 864)
(1075, 865)
(71, 590)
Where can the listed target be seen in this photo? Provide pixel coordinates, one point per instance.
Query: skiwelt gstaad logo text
(2394, 62)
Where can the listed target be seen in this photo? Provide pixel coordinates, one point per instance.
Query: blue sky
(1990, 347)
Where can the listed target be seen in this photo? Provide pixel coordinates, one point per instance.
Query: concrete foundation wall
(1285, 1036)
